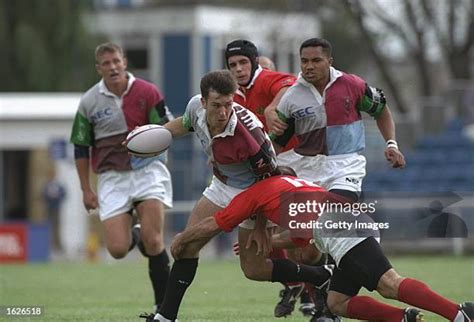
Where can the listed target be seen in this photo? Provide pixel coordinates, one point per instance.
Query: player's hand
(262, 239)
(89, 198)
(395, 157)
(274, 124)
(124, 142)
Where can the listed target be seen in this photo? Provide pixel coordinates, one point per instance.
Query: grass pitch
(120, 291)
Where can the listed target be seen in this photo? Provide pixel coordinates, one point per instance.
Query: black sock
(285, 270)
(159, 271)
(181, 276)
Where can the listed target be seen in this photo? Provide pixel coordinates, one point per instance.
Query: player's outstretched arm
(176, 127)
(193, 238)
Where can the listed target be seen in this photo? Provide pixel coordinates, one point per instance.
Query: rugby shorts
(221, 195)
(343, 171)
(362, 266)
(118, 191)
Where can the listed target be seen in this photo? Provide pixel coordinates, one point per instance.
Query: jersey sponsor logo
(303, 112)
(102, 114)
(352, 180)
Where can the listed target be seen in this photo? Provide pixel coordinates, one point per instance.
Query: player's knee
(254, 275)
(388, 284)
(252, 272)
(154, 243)
(117, 251)
(337, 303)
(336, 308)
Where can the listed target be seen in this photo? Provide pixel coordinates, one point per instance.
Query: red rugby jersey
(261, 92)
(267, 197)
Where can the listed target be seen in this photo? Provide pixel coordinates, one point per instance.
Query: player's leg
(308, 255)
(291, 291)
(416, 293)
(260, 268)
(151, 215)
(117, 235)
(114, 205)
(184, 269)
(151, 191)
(366, 308)
(346, 282)
(313, 299)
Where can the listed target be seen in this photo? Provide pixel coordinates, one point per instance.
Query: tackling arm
(194, 237)
(274, 124)
(282, 240)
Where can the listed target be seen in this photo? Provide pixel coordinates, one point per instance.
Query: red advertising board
(13, 243)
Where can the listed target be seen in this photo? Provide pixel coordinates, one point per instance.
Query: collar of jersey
(257, 72)
(104, 90)
(333, 75)
(229, 128)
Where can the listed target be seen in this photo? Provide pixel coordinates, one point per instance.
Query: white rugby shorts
(119, 190)
(221, 195)
(343, 171)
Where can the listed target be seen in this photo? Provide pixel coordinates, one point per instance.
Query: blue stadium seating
(442, 162)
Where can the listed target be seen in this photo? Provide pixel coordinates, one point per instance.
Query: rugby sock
(159, 271)
(181, 276)
(367, 308)
(279, 253)
(418, 294)
(285, 271)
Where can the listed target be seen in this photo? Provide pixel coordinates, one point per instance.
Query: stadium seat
(442, 162)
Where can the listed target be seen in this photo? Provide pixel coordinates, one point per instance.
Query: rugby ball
(148, 140)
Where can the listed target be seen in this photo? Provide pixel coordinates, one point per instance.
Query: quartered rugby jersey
(103, 121)
(330, 124)
(242, 154)
(261, 91)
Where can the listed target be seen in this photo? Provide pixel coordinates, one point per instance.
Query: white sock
(161, 318)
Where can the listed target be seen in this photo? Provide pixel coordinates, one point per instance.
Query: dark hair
(107, 47)
(220, 81)
(317, 42)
